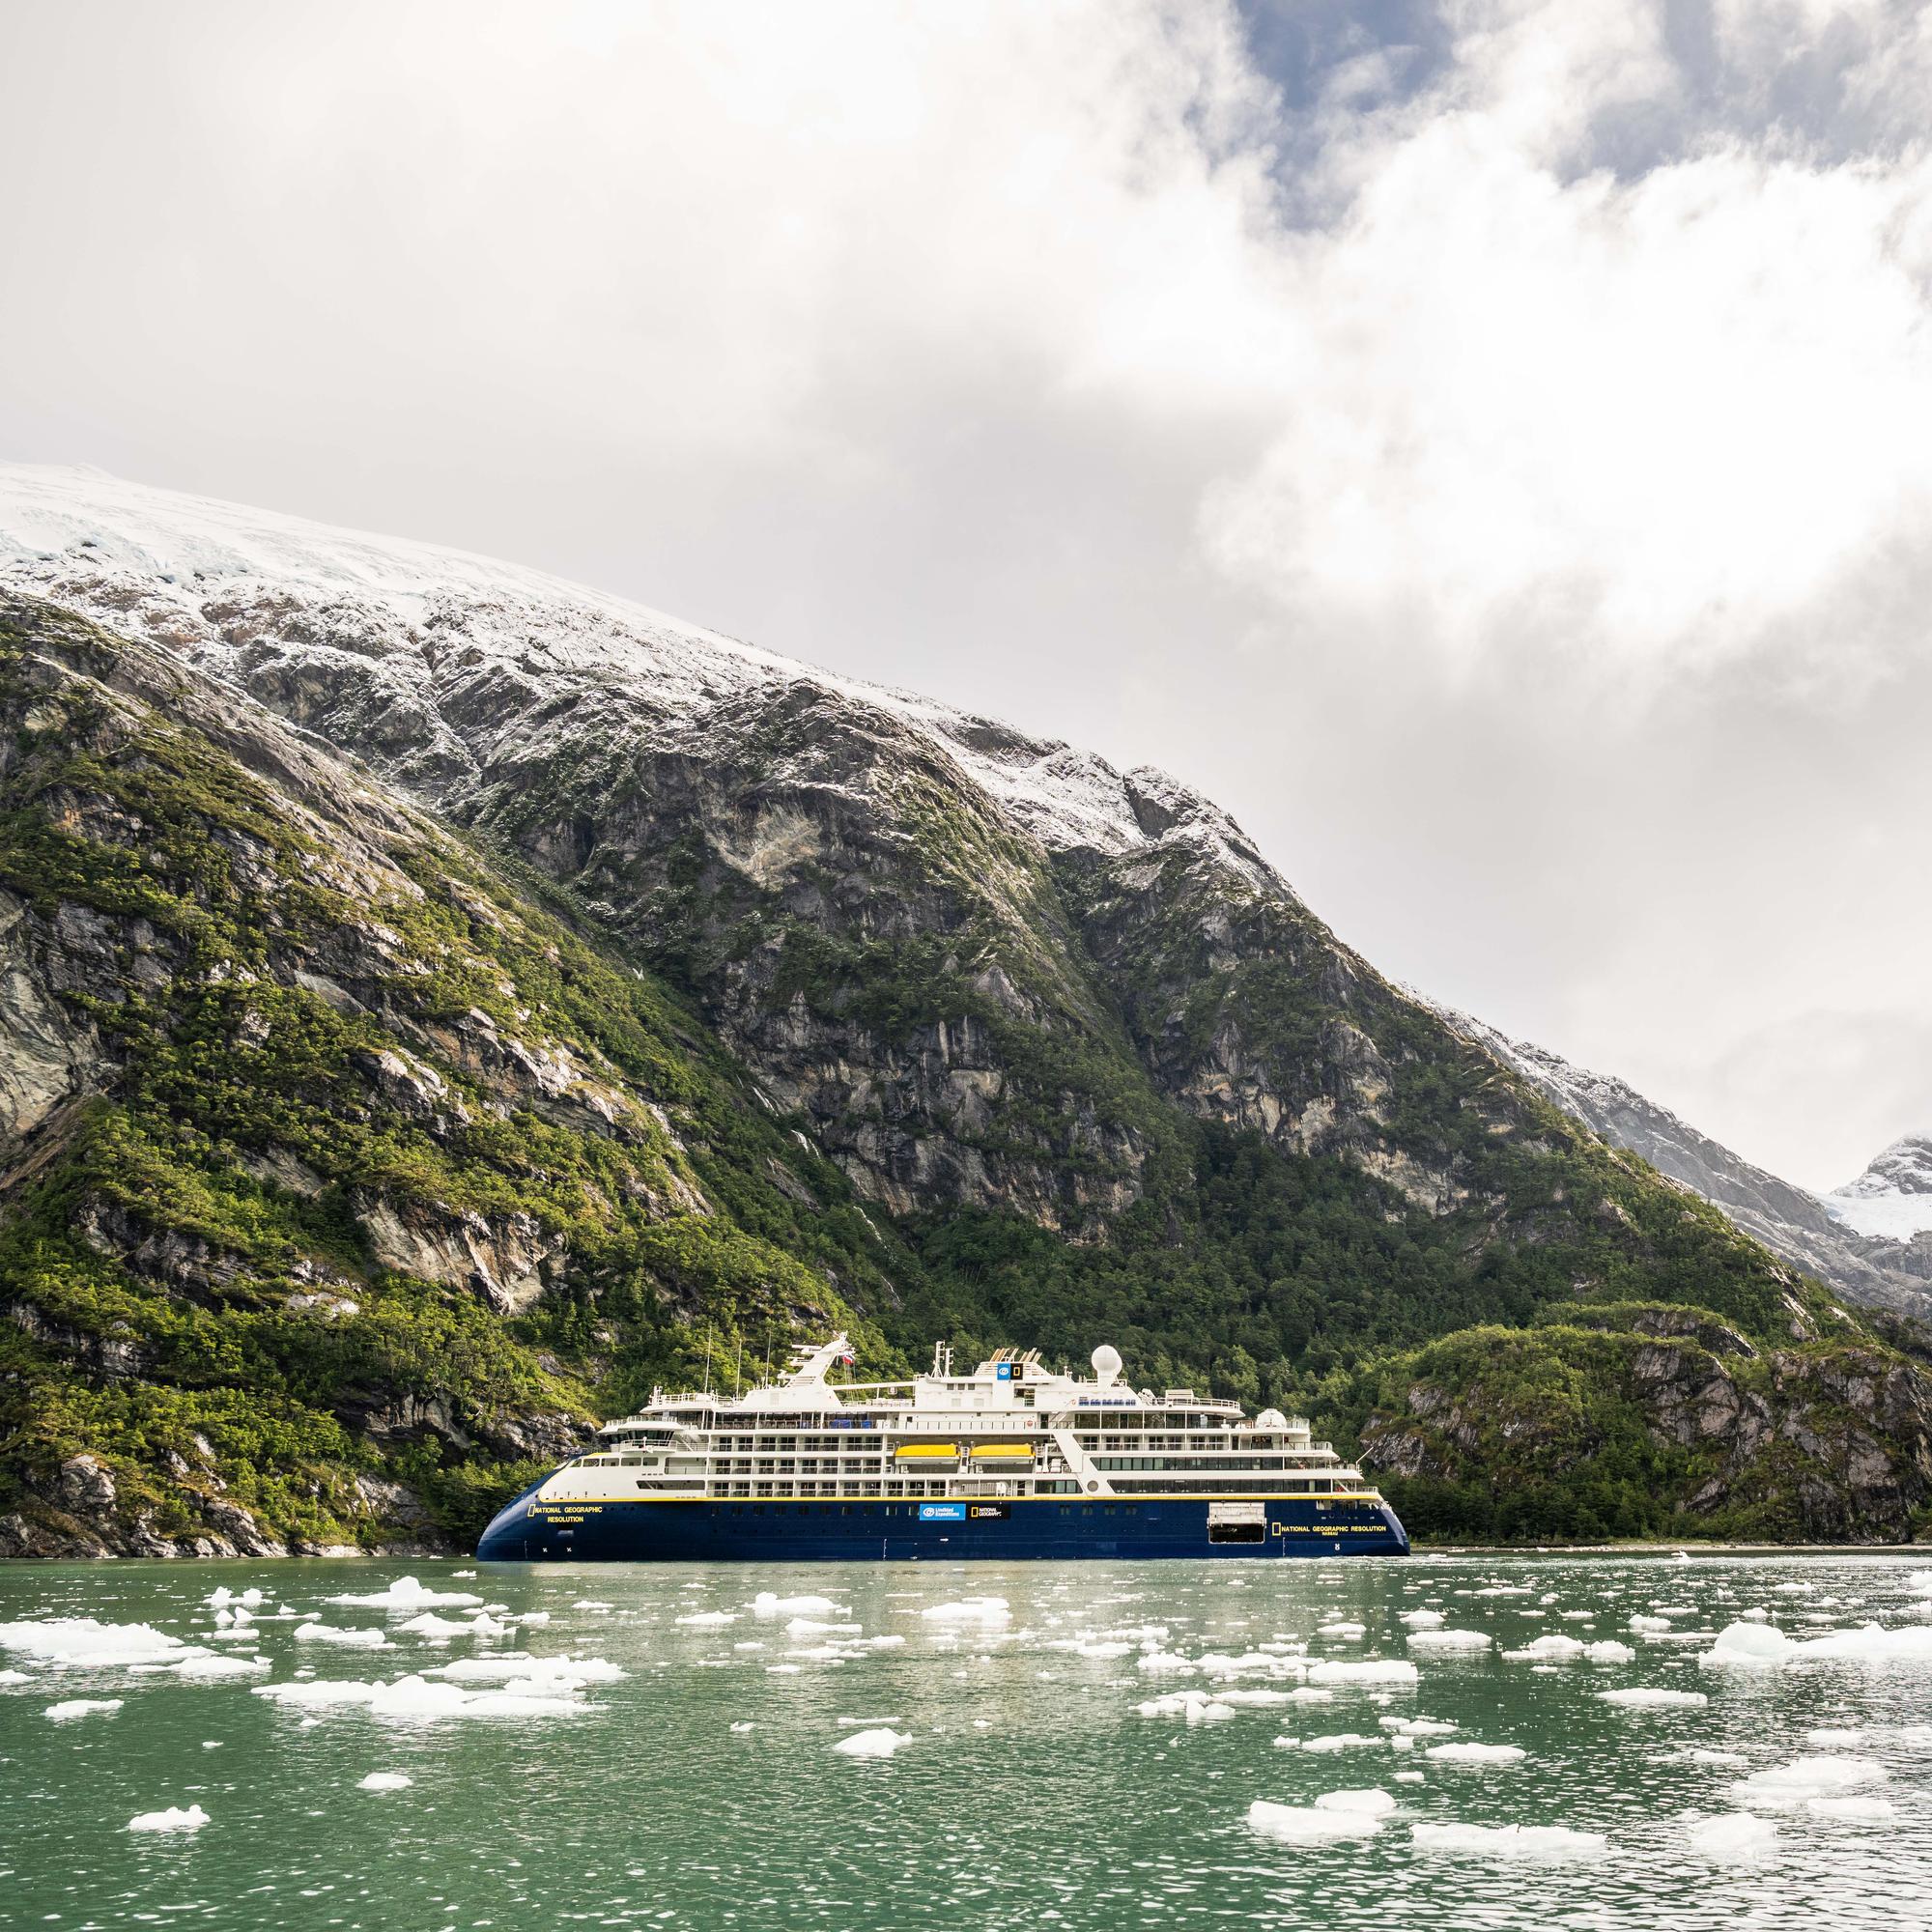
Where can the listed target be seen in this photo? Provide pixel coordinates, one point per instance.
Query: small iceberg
(173, 1819)
(881, 1743)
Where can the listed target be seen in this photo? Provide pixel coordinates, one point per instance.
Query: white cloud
(1501, 472)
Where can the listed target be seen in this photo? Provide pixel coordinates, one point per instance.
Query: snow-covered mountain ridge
(603, 737)
(411, 622)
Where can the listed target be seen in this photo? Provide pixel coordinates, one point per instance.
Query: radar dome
(1270, 1418)
(1106, 1360)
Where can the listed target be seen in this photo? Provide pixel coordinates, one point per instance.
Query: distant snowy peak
(257, 597)
(1892, 1199)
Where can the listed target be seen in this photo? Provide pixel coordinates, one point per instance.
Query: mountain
(1892, 1199)
(1858, 1241)
(443, 1000)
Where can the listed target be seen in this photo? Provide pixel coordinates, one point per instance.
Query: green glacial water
(701, 1787)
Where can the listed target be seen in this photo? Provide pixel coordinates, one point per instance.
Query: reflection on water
(1021, 1783)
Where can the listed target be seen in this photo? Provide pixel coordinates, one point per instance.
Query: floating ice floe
(81, 1707)
(1195, 1707)
(1834, 1739)
(1346, 1633)
(1509, 1842)
(1373, 1803)
(386, 1780)
(1609, 1651)
(1424, 1620)
(15, 1677)
(968, 1610)
(881, 1743)
(1364, 1671)
(1858, 1807)
(1336, 1741)
(742, 1726)
(531, 1670)
(768, 1604)
(1309, 1824)
(1410, 1777)
(205, 1669)
(1165, 1663)
(173, 1819)
(418, 1700)
(71, 1643)
(1719, 1757)
(1758, 1644)
(223, 1597)
(1649, 1623)
(351, 1639)
(1804, 1778)
(1551, 1649)
(711, 1619)
(1731, 1837)
(1476, 1753)
(406, 1593)
(1448, 1639)
(1416, 1728)
(1645, 1696)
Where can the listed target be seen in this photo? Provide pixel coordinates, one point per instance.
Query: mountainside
(442, 1000)
(1860, 1240)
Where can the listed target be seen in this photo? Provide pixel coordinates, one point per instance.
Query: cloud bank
(1484, 443)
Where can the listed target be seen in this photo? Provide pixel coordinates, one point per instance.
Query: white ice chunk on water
(430, 1625)
(352, 1639)
(15, 1677)
(1410, 1777)
(1650, 1623)
(406, 1593)
(1365, 1670)
(1165, 1663)
(85, 1643)
(418, 1700)
(1417, 1727)
(1339, 1741)
(1858, 1807)
(1424, 1620)
(814, 1626)
(173, 1819)
(1732, 1836)
(1821, 1776)
(1509, 1842)
(223, 1597)
(1609, 1651)
(1373, 1803)
(1555, 1647)
(1758, 1644)
(1832, 1738)
(81, 1707)
(208, 1669)
(1102, 1651)
(968, 1610)
(711, 1619)
(500, 1669)
(880, 1743)
(1476, 1753)
(742, 1726)
(1640, 1696)
(1344, 1632)
(386, 1780)
(1309, 1824)
(531, 1617)
(1448, 1639)
(768, 1604)
(592, 1603)
(1722, 1757)
(1504, 1590)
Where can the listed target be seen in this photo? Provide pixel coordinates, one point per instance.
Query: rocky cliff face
(304, 1102)
(1684, 1422)
(444, 996)
(1892, 1199)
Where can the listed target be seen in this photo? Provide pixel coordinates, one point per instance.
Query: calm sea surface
(701, 1787)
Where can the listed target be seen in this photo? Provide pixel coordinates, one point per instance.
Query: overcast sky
(1485, 446)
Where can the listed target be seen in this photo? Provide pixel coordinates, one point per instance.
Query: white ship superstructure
(1010, 1429)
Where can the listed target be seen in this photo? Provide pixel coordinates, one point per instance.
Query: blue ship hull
(620, 1530)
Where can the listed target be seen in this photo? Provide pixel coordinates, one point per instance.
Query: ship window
(1086, 1509)
(757, 1509)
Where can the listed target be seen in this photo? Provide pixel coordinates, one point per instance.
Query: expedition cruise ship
(1015, 1459)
